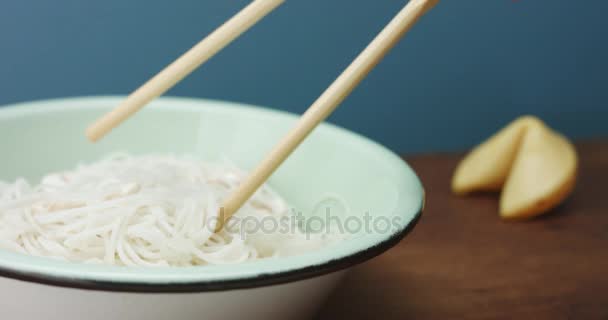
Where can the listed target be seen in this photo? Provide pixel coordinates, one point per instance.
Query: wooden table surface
(462, 261)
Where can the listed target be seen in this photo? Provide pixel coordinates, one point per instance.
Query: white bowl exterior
(294, 300)
(390, 187)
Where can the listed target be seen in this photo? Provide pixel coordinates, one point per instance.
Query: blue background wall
(465, 70)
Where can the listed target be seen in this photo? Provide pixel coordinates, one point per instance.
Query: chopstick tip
(93, 134)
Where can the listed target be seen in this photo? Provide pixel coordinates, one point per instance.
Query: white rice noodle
(141, 211)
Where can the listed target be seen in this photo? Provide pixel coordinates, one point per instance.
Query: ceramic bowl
(371, 182)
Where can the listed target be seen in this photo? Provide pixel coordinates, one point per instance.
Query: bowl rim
(139, 284)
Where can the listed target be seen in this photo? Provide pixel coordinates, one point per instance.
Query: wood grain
(462, 261)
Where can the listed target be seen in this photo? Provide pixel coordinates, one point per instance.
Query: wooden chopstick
(327, 103)
(183, 66)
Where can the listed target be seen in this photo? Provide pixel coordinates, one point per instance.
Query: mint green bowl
(44, 136)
